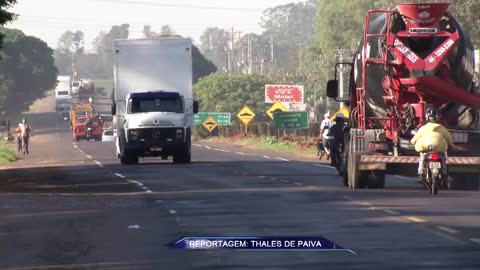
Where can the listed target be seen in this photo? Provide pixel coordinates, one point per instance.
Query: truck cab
(156, 124)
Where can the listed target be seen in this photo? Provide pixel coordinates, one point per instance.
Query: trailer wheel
(376, 179)
(356, 179)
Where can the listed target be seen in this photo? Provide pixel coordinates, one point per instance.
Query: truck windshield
(166, 104)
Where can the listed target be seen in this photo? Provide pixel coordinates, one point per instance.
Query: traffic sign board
(284, 93)
(276, 107)
(246, 115)
(223, 119)
(290, 120)
(210, 124)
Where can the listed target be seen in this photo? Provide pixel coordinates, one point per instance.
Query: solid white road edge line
(324, 166)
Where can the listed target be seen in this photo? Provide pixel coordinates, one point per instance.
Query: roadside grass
(269, 143)
(7, 154)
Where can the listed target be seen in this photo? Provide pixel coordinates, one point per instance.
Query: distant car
(109, 135)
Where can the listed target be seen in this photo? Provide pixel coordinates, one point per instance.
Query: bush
(7, 154)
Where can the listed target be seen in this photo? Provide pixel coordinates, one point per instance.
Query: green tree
(147, 31)
(214, 44)
(71, 42)
(230, 92)
(27, 71)
(167, 30)
(289, 28)
(6, 16)
(200, 65)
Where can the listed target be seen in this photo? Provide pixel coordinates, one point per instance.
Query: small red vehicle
(81, 131)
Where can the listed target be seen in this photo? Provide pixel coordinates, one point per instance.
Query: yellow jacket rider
(432, 137)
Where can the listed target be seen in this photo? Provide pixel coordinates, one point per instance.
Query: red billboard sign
(283, 93)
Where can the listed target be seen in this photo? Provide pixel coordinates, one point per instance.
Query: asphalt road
(73, 206)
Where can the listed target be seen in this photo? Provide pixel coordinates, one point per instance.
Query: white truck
(63, 87)
(63, 98)
(153, 103)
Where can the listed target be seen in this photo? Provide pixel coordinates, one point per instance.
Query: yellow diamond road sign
(276, 107)
(246, 115)
(210, 124)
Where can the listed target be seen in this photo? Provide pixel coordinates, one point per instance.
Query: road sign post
(245, 115)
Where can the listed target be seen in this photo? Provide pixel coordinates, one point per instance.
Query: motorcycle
(88, 136)
(432, 177)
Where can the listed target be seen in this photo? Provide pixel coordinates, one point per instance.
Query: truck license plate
(155, 149)
(435, 165)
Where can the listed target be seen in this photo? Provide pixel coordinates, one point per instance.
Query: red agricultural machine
(411, 58)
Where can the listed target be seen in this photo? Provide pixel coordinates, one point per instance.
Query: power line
(180, 5)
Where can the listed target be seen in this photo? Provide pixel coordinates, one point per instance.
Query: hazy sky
(48, 19)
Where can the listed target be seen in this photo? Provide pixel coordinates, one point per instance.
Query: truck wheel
(76, 138)
(184, 156)
(98, 138)
(376, 179)
(128, 159)
(344, 157)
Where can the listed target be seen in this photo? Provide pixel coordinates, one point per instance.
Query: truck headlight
(133, 135)
(179, 134)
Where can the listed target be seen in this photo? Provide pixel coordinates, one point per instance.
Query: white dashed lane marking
(446, 229)
(391, 212)
(417, 220)
(121, 176)
(98, 163)
(476, 240)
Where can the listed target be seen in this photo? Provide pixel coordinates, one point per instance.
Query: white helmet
(327, 114)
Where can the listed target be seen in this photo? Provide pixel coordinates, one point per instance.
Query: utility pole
(300, 47)
(249, 55)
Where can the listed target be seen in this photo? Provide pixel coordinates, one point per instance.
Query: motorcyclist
(324, 129)
(88, 124)
(336, 131)
(432, 137)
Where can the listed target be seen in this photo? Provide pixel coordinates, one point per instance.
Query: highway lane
(79, 208)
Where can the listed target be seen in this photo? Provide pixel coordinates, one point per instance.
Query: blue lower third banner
(258, 243)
